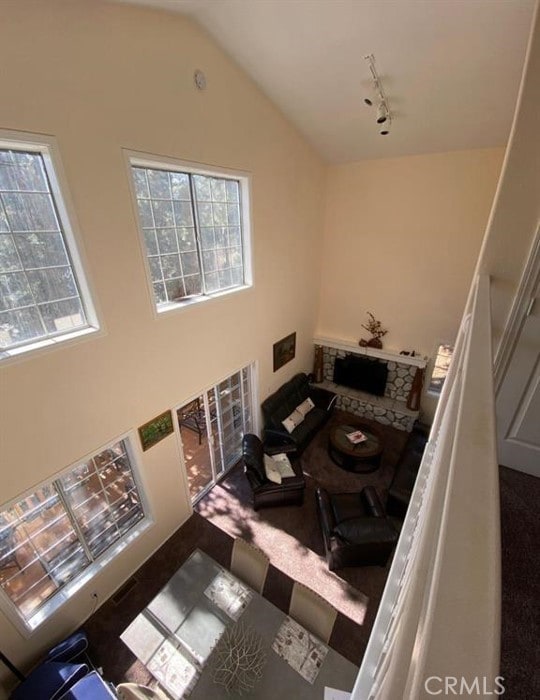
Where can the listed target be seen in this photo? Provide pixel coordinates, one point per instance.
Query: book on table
(356, 437)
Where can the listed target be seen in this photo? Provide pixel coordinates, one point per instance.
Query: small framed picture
(155, 430)
(284, 351)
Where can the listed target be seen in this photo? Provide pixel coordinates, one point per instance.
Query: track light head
(385, 128)
(382, 112)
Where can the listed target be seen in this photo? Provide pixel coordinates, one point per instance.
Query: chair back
(135, 691)
(250, 564)
(312, 611)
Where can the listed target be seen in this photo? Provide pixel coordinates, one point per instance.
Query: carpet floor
(291, 536)
(520, 535)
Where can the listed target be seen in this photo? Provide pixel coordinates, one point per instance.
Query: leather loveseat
(401, 488)
(284, 401)
(355, 529)
(266, 492)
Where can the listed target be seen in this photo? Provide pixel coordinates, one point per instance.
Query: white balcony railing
(439, 616)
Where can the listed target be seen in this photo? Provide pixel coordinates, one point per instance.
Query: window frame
(430, 391)
(158, 162)
(252, 368)
(44, 614)
(47, 148)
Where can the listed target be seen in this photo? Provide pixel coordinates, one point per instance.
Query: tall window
(193, 230)
(52, 537)
(440, 368)
(40, 283)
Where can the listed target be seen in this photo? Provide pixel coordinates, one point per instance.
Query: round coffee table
(362, 457)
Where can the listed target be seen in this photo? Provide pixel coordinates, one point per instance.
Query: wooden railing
(439, 617)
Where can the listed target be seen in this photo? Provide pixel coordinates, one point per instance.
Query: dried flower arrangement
(239, 659)
(377, 332)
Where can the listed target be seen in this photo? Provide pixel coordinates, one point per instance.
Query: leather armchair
(355, 529)
(401, 488)
(266, 492)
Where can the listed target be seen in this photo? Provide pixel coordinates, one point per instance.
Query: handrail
(439, 615)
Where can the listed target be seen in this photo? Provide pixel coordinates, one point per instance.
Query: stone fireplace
(390, 408)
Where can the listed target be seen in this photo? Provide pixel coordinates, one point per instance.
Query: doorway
(211, 427)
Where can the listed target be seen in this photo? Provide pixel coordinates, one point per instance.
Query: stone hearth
(390, 409)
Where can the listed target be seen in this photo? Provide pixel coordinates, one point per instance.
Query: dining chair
(249, 563)
(135, 691)
(312, 611)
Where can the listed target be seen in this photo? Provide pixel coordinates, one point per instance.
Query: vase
(374, 343)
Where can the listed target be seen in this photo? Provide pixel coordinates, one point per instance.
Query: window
(52, 537)
(41, 280)
(193, 228)
(440, 368)
(212, 427)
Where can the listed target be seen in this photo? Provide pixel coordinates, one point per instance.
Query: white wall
(101, 78)
(515, 215)
(401, 239)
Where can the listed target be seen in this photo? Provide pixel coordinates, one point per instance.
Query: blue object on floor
(91, 687)
(69, 649)
(49, 681)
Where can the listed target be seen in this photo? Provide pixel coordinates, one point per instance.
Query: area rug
(290, 535)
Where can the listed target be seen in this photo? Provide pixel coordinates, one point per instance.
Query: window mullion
(73, 520)
(67, 250)
(105, 494)
(197, 232)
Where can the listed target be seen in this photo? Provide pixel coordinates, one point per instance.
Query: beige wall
(401, 239)
(101, 78)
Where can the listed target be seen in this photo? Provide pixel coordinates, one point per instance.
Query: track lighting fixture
(382, 112)
(384, 118)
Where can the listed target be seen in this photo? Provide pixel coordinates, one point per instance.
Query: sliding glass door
(211, 430)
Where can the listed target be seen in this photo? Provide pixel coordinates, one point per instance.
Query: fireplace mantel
(388, 355)
(402, 384)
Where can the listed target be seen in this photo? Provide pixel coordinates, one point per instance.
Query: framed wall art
(155, 430)
(284, 351)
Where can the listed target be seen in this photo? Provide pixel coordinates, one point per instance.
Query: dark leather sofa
(355, 529)
(266, 492)
(283, 402)
(401, 488)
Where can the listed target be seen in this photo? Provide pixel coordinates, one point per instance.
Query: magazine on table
(229, 594)
(301, 650)
(171, 668)
(356, 437)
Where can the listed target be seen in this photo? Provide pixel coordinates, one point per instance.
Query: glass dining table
(176, 634)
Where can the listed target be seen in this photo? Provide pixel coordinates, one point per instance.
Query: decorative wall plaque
(155, 430)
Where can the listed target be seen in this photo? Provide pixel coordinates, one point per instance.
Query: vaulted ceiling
(450, 68)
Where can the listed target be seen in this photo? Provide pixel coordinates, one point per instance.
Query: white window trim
(253, 368)
(28, 627)
(430, 392)
(47, 147)
(148, 160)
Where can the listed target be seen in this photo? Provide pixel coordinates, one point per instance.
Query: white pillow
(292, 421)
(271, 469)
(305, 407)
(283, 465)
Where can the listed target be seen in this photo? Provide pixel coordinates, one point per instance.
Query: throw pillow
(271, 469)
(292, 421)
(283, 465)
(305, 407)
